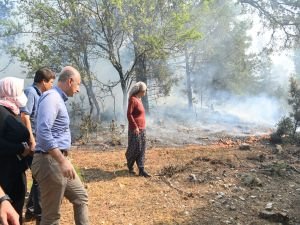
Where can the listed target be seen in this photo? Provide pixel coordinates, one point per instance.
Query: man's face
(74, 84)
(48, 85)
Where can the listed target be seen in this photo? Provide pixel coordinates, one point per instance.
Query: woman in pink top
(136, 129)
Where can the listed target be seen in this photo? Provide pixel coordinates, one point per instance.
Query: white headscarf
(137, 87)
(11, 93)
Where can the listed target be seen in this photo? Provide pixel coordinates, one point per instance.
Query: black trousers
(33, 205)
(15, 187)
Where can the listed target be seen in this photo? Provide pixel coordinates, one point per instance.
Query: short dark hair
(44, 73)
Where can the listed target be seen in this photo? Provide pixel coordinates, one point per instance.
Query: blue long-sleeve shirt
(52, 121)
(33, 95)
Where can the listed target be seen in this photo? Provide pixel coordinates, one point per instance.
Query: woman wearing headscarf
(136, 129)
(14, 137)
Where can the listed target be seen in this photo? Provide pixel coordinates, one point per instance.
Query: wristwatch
(5, 198)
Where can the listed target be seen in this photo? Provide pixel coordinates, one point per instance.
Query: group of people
(35, 133)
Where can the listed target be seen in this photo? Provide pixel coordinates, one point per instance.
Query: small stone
(279, 217)
(269, 206)
(235, 189)
(251, 180)
(224, 202)
(244, 146)
(232, 207)
(220, 194)
(226, 186)
(252, 196)
(278, 149)
(192, 177)
(242, 198)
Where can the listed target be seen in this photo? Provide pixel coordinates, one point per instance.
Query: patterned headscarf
(11, 94)
(137, 87)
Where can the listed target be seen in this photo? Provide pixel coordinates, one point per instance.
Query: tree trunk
(125, 97)
(188, 80)
(89, 89)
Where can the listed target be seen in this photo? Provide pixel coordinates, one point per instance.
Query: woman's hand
(136, 131)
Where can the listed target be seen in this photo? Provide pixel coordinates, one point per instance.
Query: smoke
(254, 109)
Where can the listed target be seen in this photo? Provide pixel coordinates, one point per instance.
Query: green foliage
(160, 72)
(284, 132)
(287, 127)
(79, 173)
(294, 99)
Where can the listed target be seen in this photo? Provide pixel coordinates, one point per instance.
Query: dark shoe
(143, 173)
(38, 220)
(29, 216)
(131, 172)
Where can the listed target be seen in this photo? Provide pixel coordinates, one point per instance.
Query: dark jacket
(12, 134)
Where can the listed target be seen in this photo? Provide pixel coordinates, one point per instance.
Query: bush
(285, 127)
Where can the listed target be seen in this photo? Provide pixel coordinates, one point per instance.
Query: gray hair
(66, 73)
(137, 87)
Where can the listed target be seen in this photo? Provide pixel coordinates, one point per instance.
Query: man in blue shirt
(52, 169)
(43, 81)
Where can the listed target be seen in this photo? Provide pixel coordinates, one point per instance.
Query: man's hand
(8, 215)
(32, 143)
(136, 131)
(65, 165)
(67, 169)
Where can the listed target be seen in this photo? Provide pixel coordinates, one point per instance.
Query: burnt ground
(220, 180)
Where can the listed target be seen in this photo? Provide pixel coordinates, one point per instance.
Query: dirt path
(191, 185)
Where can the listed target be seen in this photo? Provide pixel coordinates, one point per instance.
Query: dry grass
(117, 198)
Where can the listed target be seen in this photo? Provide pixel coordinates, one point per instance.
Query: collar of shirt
(61, 93)
(37, 89)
